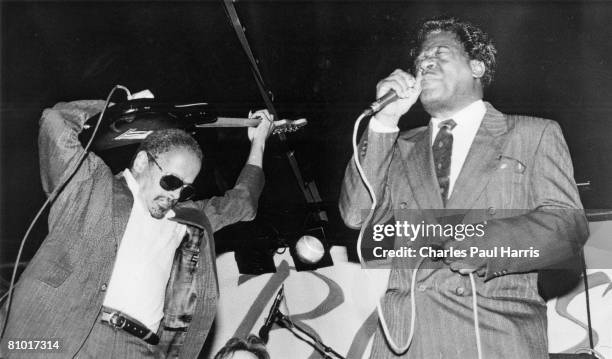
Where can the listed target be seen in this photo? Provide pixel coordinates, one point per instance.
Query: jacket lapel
(418, 160)
(122, 207)
(482, 159)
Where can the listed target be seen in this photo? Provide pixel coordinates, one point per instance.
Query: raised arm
(240, 202)
(376, 150)
(58, 144)
(375, 154)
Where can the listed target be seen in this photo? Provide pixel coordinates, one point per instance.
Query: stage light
(307, 243)
(311, 250)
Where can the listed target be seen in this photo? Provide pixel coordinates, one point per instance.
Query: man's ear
(141, 162)
(478, 68)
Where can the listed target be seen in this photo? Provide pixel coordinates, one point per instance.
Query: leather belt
(119, 320)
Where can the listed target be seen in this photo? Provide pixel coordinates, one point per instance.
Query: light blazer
(60, 293)
(518, 179)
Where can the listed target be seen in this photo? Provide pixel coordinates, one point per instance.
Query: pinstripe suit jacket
(60, 293)
(517, 177)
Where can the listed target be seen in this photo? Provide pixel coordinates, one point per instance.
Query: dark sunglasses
(170, 182)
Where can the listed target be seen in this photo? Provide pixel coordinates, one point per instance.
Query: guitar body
(130, 122)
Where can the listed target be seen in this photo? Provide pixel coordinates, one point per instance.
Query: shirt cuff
(378, 126)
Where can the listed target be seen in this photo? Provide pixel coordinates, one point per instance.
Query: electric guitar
(132, 121)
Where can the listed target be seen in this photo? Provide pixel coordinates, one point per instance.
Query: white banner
(337, 304)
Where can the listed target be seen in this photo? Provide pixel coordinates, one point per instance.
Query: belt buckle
(117, 320)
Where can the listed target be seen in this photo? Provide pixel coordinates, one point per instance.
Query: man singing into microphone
(128, 268)
(512, 174)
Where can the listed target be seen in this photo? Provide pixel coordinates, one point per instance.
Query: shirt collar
(131, 181)
(471, 114)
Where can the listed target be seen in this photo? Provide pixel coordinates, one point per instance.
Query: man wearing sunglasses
(128, 268)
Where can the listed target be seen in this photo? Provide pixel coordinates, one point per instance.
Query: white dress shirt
(468, 121)
(144, 259)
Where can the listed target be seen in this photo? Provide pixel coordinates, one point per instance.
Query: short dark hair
(162, 141)
(252, 344)
(476, 42)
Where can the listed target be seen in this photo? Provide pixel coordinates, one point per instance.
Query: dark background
(321, 59)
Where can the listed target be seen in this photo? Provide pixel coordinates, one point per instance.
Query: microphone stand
(285, 322)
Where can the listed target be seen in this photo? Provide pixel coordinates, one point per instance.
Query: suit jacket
(518, 181)
(60, 293)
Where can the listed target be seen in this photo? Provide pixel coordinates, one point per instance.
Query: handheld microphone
(264, 331)
(381, 103)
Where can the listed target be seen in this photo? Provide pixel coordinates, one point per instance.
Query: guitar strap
(308, 189)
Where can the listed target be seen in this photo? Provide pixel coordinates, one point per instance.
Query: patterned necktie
(442, 149)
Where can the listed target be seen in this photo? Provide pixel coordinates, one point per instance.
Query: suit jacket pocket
(53, 274)
(509, 185)
(511, 169)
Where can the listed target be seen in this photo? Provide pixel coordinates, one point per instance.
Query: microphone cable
(58, 189)
(399, 350)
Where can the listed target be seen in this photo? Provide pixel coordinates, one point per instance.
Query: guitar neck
(232, 122)
(282, 126)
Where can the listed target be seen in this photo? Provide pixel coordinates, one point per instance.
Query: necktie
(442, 149)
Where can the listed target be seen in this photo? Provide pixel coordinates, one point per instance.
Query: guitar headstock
(288, 126)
